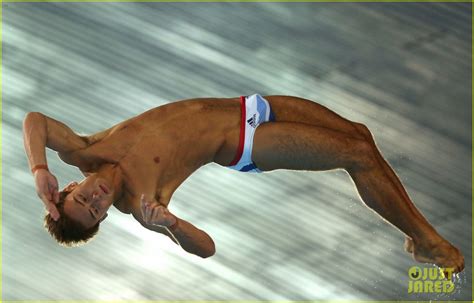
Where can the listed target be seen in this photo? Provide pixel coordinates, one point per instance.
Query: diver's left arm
(192, 239)
(156, 217)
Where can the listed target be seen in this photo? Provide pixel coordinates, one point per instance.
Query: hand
(154, 213)
(47, 190)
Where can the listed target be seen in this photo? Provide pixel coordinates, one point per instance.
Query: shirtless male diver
(137, 165)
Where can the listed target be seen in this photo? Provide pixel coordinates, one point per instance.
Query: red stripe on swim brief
(240, 148)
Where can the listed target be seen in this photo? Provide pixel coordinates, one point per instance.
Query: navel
(156, 159)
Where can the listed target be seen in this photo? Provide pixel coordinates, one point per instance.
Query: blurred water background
(403, 69)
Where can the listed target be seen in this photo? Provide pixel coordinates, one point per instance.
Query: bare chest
(153, 162)
(150, 175)
(159, 149)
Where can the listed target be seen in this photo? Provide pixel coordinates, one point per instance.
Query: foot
(441, 253)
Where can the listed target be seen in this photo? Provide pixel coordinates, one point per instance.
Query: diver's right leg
(294, 109)
(299, 146)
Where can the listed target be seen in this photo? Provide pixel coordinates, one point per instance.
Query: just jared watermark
(430, 280)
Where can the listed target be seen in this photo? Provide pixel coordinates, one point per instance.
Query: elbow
(208, 251)
(31, 117)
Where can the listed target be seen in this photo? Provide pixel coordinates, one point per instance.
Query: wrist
(38, 167)
(174, 226)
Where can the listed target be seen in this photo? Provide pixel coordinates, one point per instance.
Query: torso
(159, 149)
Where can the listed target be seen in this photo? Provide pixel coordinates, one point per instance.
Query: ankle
(427, 239)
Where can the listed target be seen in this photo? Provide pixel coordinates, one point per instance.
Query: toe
(408, 245)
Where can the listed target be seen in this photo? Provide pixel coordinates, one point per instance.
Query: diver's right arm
(39, 132)
(34, 138)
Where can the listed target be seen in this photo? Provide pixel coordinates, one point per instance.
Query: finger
(51, 188)
(154, 217)
(46, 201)
(161, 212)
(50, 207)
(53, 211)
(142, 206)
(56, 196)
(48, 196)
(158, 215)
(147, 213)
(163, 215)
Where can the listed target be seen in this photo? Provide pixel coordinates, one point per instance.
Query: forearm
(34, 138)
(192, 239)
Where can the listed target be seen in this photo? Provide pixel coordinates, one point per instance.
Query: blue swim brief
(255, 111)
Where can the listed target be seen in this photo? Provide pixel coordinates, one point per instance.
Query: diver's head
(82, 206)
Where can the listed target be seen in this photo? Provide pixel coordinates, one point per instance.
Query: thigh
(294, 109)
(300, 146)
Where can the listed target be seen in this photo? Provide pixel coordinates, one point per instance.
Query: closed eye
(81, 203)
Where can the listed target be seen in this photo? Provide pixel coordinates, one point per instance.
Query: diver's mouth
(104, 189)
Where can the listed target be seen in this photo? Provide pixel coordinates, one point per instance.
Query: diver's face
(88, 201)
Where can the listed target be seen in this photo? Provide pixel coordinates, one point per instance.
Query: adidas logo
(252, 121)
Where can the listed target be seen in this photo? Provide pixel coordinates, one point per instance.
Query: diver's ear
(103, 218)
(70, 186)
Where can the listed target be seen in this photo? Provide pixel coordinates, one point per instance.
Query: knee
(363, 130)
(364, 157)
